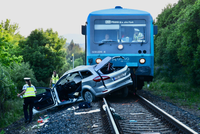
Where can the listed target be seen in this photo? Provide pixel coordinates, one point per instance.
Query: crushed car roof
(96, 67)
(78, 68)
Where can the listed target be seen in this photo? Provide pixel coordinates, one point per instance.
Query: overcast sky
(66, 16)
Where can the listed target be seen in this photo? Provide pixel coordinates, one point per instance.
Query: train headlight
(120, 46)
(98, 60)
(142, 61)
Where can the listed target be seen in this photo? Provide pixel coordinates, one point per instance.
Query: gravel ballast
(68, 119)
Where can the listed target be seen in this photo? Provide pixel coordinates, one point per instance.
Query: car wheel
(124, 92)
(89, 97)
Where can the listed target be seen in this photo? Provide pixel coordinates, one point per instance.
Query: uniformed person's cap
(26, 78)
(137, 30)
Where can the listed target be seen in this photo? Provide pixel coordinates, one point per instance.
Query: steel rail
(111, 117)
(169, 118)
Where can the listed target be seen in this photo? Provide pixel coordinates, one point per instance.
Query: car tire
(124, 92)
(89, 97)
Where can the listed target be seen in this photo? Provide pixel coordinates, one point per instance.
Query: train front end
(122, 32)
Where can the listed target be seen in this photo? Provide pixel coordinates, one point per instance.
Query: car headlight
(142, 61)
(98, 60)
(120, 46)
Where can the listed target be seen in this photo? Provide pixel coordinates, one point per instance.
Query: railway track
(138, 115)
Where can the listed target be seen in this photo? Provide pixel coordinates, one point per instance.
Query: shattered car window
(86, 74)
(71, 76)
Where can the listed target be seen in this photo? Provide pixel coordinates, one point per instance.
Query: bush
(11, 82)
(78, 62)
(19, 71)
(64, 68)
(7, 87)
(14, 111)
(2, 132)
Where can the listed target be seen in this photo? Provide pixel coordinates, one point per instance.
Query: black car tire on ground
(89, 97)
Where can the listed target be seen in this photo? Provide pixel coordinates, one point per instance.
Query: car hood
(102, 63)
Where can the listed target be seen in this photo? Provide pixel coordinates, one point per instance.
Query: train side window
(86, 74)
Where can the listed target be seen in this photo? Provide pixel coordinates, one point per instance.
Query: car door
(66, 87)
(44, 99)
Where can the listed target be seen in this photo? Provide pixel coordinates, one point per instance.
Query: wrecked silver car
(86, 82)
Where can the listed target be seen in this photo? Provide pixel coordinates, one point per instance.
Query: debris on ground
(132, 121)
(94, 126)
(136, 113)
(91, 111)
(84, 105)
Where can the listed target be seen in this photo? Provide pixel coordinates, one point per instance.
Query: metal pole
(73, 60)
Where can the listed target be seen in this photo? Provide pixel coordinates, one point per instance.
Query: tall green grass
(12, 112)
(2, 132)
(177, 92)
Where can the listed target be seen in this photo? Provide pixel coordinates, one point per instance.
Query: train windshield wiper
(141, 43)
(104, 42)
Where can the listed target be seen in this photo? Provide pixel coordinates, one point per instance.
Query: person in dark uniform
(29, 94)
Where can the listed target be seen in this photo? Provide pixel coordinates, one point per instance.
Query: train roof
(118, 10)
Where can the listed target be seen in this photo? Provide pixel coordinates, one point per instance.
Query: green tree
(44, 50)
(178, 40)
(74, 48)
(10, 28)
(78, 52)
(188, 52)
(78, 62)
(7, 55)
(19, 71)
(13, 30)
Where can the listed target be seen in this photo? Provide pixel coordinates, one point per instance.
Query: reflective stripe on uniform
(55, 79)
(138, 37)
(30, 92)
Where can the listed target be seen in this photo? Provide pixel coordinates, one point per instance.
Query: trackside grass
(177, 93)
(13, 110)
(2, 132)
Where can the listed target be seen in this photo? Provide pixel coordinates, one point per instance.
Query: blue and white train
(122, 32)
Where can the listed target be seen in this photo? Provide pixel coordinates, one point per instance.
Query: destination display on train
(119, 21)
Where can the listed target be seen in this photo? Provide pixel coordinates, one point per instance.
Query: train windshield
(124, 31)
